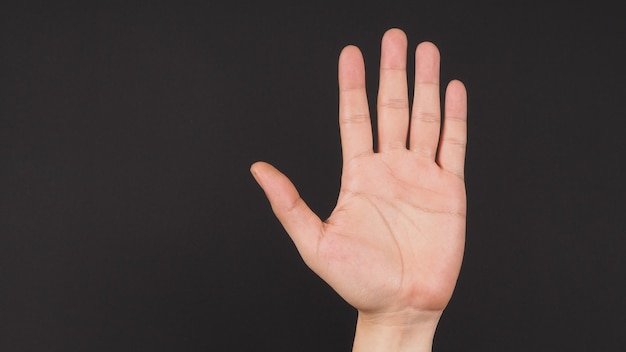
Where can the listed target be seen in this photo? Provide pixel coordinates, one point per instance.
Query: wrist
(395, 332)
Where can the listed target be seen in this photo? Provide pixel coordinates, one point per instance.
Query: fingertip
(457, 85)
(349, 51)
(257, 164)
(395, 31)
(350, 47)
(254, 170)
(277, 187)
(427, 48)
(456, 92)
(259, 170)
(393, 50)
(395, 34)
(351, 70)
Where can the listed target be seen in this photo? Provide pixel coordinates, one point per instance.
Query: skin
(393, 245)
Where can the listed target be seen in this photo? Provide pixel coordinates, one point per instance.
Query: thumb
(300, 222)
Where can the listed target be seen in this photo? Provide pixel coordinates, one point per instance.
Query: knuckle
(394, 103)
(354, 118)
(427, 116)
(456, 118)
(423, 151)
(457, 142)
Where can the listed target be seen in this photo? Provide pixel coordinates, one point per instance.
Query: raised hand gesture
(393, 245)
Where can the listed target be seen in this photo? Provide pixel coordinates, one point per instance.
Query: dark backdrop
(129, 220)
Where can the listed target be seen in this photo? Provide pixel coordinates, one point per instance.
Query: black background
(129, 220)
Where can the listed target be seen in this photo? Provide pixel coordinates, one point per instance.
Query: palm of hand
(395, 239)
(394, 242)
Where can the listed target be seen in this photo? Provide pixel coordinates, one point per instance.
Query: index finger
(354, 117)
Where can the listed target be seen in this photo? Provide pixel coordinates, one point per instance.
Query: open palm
(394, 242)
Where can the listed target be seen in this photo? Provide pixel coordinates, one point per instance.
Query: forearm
(414, 335)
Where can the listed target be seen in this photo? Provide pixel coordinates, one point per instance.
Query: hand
(393, 245)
